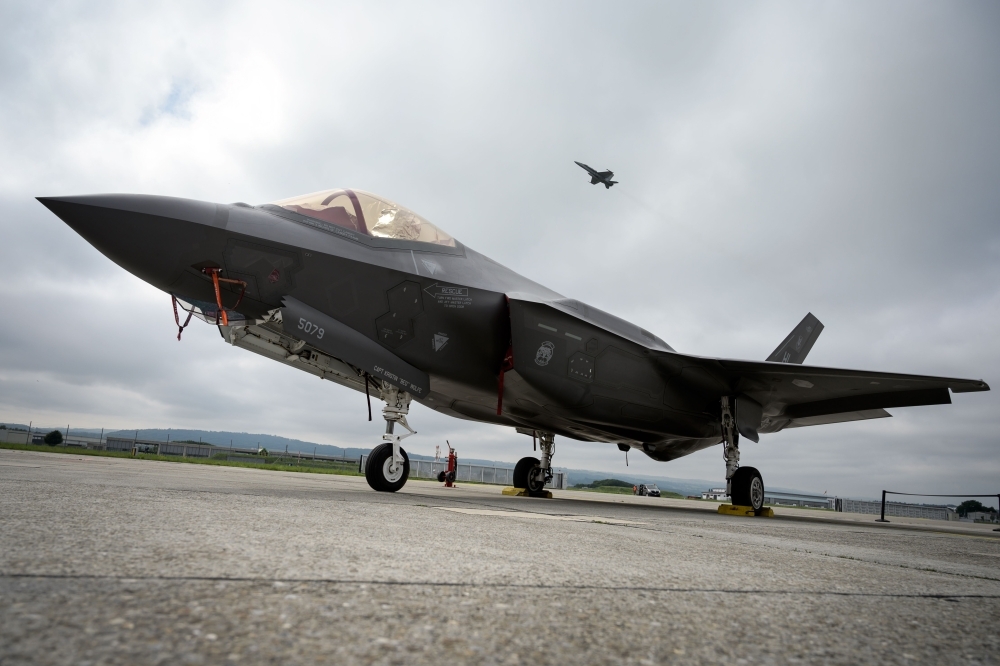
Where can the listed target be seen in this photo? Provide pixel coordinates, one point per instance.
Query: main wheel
(522, 470)
(748, 488)
(535, 485)
(377, 471)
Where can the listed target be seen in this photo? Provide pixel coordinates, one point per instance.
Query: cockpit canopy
(366, 214)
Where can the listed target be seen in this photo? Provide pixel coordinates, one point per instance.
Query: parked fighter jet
(358, 290)
(596, 176)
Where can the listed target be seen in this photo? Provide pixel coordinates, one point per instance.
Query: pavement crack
(552, 586)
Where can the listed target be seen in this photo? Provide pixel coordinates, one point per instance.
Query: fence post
(882, 519)
(997, 529)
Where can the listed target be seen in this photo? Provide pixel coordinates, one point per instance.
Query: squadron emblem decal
(544, 353)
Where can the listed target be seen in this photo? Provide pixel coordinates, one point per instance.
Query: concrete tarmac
(118, 561)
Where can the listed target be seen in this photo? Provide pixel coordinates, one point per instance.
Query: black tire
(748, 488)
(376, 469)
(442, 476)
(521, 470)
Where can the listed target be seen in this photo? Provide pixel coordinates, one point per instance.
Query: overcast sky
(773, 159)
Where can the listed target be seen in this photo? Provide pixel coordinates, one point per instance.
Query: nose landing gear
(388, 466)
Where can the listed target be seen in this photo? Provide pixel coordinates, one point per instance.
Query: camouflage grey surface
(440, 320)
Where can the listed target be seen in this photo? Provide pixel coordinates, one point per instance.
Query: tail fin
(794, 348)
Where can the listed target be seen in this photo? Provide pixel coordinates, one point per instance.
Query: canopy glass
(366, 214)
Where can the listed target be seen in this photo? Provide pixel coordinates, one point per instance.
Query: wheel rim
(534, 484)
(386, 471)
(756, 493)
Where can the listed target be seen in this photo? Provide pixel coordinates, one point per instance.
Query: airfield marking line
(391, 583)
(538, 516)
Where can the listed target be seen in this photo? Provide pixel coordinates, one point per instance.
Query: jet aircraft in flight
(596, 176)
(358, 290)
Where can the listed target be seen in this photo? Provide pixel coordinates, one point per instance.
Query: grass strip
(271, 463)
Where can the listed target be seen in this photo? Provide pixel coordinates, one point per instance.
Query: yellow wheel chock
(736, 510)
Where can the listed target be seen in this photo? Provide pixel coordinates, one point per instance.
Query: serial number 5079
(311, 328)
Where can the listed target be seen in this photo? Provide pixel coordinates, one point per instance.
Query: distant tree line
(606, 483)
(972, 506)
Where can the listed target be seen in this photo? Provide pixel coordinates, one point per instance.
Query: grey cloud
(774, 158)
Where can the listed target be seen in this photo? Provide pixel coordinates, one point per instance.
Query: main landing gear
(388, 466)
(531, 473)
(744, 485)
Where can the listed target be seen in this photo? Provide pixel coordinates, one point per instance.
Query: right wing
(593, 362)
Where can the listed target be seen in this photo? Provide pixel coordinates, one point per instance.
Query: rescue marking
(449, 296)
(439, 341)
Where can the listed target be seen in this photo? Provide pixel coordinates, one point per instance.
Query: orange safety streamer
(221, 312)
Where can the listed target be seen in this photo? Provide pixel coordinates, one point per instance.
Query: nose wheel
(388, 467)
(383, 473)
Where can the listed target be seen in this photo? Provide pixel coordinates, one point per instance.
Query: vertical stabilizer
(794, 348)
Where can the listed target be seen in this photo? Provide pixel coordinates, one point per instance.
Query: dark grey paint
(796, 346)
(578, 372)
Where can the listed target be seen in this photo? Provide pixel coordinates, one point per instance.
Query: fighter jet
(355, 289)
(596, 176)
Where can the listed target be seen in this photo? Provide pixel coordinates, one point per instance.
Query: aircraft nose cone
(149, 236)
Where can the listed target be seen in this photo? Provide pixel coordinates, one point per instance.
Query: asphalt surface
(106, 560)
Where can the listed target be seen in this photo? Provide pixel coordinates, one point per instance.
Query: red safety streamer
(177, 320)
(505, 365)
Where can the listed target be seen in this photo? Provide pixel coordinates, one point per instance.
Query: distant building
(776, 498)
(899, 509)
(981, 516)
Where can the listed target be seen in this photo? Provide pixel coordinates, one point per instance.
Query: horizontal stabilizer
(796, 346)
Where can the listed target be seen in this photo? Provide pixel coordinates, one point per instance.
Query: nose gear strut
(388, 466)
